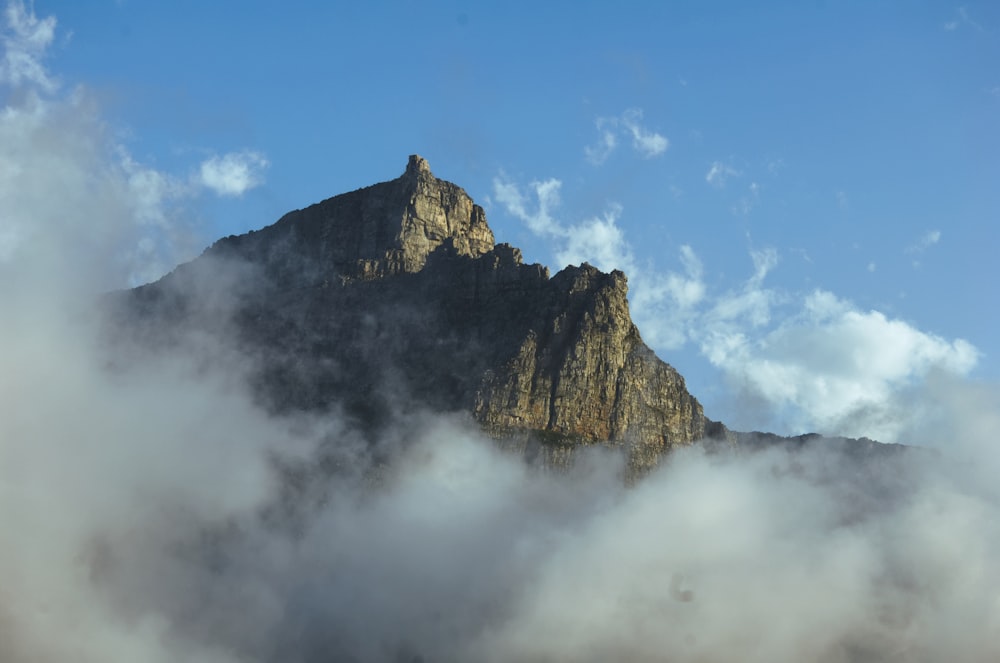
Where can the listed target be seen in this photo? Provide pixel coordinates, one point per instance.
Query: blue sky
(805, 196)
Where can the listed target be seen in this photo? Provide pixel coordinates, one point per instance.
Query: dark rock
(394, 298)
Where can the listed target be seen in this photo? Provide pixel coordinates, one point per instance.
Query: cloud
(598, 153)
(826, 366)
(233, 174)
(719, 173)
(962, 18)
(927, 240)
(646, 143)
(748, 201)
(148, 504)
(74, 198)
(833, 368)
(25, 39)
(662, 301)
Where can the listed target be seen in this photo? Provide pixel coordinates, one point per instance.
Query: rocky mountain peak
(417, 166)
(377, 231)
(395, 296)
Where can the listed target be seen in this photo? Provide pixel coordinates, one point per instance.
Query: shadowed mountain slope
(394, 298)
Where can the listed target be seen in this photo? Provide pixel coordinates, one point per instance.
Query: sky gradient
(805, 196)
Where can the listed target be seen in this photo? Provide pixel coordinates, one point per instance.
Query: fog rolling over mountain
(395, 297)
(368, 433)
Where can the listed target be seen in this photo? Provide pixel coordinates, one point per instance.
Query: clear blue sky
(805, 195)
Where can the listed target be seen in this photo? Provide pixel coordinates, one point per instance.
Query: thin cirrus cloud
(720, 172)
(961, 19)
(927, 240)
(628, 125)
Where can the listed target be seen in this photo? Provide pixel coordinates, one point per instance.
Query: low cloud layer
(153, 512)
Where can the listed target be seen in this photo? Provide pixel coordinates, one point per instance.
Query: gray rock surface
(394, 298)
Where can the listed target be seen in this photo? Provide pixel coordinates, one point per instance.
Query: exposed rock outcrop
(395, 296)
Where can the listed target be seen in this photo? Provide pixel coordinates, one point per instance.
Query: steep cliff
(395, 297)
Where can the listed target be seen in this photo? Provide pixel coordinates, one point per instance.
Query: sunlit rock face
(395, 298)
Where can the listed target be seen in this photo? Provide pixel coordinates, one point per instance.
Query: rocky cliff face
(395, 297)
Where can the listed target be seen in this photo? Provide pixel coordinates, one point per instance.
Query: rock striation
(395, 297)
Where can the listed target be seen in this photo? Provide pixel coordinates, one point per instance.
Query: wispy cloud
(925, 241)
(25, 40)
(71, 191)
(662, 301)
(598, 153)
(748, 200)
(720, 172)
(646, 143)
(961, 19)
(801, 362)
(233, 174)
(843, 201)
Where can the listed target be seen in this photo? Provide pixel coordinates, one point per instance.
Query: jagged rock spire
(417, 165)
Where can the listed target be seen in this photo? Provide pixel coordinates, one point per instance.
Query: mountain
(395, 298)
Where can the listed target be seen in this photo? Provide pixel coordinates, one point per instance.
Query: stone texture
(374, 232)
(394, 298)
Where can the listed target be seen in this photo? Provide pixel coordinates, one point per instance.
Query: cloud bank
(153, 512)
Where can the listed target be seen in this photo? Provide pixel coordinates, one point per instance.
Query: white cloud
(927, 240)
(748, 201)
(25, 38)
(646, 143)
(75, 204)
(74, 199)
(233, 174)
(546, 193)
(962, 18)
(662, 302)
(719, 172)
(597, 240)
(598, 154)
(825, 367)
(836, 369)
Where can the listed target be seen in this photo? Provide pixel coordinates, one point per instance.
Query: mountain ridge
(396, 295)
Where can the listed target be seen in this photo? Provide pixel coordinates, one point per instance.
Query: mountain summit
(375, 232)
(395, 298)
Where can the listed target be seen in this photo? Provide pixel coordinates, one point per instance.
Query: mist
(154, 510)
